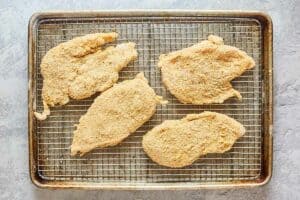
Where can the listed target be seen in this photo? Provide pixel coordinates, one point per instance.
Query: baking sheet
(127, 164)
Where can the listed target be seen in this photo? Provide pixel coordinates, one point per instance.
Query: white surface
(14, 178)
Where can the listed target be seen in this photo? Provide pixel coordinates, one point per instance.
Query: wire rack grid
(127, 162)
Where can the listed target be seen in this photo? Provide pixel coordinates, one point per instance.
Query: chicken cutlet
(115, 114)
(178, 143)
(201, 74)
(79, 68)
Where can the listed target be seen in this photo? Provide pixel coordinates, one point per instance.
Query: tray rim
(267, 156)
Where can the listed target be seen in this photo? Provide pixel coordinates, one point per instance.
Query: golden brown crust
(201, 74)
(79, 68)
(178, 143)
(114, 115)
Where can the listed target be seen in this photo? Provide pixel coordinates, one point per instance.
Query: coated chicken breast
(80, 67)
(201, 74)
(178, 143)
(115, 114)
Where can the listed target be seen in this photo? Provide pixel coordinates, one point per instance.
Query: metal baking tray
(248, 163)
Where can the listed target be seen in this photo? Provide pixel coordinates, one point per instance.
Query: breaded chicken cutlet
(178, 143)
(201, 74)
(80, 67)
(115, 114)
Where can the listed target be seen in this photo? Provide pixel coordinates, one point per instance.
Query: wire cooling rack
(127, 163)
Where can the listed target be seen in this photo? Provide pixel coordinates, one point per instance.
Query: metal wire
(127, 162)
